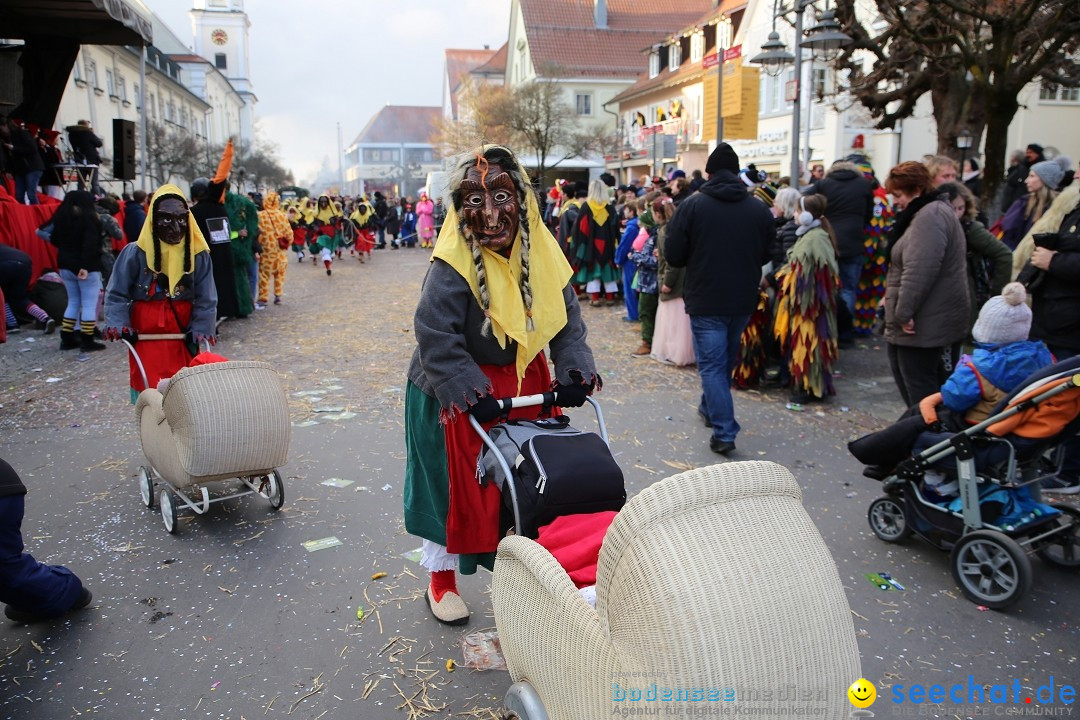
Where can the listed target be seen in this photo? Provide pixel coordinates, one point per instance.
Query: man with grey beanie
(721, 235)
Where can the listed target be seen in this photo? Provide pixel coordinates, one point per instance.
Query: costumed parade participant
(213, 222)
(805, 323)
(595, 237)
(299, 232)
(496, 293)
(244, 222)
(163, 284)
(408, 226)
(425, 221)
(363, 219)
(872, 283)
(325, 219)
(277, 235)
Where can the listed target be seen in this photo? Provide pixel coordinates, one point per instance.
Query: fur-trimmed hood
(1063, 204)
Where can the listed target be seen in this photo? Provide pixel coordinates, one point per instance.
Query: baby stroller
(215, 422)
(556, 470)
(997, 519)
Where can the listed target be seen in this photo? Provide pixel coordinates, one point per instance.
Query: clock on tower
(219, 36)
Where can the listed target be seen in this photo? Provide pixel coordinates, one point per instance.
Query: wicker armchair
(714, 578)
(216, 421)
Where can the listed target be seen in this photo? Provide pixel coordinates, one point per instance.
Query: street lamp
(824, 39)
(963, 142)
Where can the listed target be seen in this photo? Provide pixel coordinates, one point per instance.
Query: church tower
(221, 29)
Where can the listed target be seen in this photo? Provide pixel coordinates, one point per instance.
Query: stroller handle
(547, 398)
(203, 345)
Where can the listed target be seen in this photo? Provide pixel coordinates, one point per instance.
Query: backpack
(555, 470)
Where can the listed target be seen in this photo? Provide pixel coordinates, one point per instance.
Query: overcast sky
(315, 63)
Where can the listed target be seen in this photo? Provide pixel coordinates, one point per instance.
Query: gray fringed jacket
(450, 348)
(131, 280)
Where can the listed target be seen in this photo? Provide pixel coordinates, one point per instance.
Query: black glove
(486, 409)
(130, 335)
(571, 395)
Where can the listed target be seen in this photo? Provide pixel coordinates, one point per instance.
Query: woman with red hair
(926, 300)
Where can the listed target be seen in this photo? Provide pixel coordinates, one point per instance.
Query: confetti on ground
(414, 555)
(309, 393)
(336, 482)
(346, 415)
(53, 380)
(322, 544)
(328, 409)
(306, 423)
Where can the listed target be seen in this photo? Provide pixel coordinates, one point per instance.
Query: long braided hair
(188, 258)
(482, 159)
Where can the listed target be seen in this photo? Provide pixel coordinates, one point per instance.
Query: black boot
(68, 341)
(89, 344)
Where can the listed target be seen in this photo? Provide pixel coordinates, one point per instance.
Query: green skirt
(427, 482)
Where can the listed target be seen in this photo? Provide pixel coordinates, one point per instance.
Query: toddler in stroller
(971, 485)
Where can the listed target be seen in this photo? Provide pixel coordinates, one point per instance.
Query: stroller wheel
(146, 486)
(1062, 550)
(991, 568)
(168, 510)
(273, 489)
(888, 520)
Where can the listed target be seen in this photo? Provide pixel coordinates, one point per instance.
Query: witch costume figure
(496, 293)
(162, 285)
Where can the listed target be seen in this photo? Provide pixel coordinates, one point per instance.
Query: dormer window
(697, 46)
(674, 56)
(654, 64)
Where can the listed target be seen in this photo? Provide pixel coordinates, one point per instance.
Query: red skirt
(160, 358)
(472, 524)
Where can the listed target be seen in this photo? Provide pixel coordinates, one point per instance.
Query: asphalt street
(234, 618)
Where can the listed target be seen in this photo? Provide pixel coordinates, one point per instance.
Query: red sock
(326, 263)
(594, 296)
(442, 582)
(610, 296)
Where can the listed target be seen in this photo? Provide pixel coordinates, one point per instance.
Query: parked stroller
(215, 422)
(996, 517)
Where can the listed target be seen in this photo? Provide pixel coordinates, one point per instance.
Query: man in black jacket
(721, 235)
(85, 144)
(850, 198)
(31, 591)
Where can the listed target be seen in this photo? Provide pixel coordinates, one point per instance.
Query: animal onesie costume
(425, 221)
(276, 234)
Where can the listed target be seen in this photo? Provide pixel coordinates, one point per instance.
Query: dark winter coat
(927, 280)
(850, 206)
(85, 144)
(79, 244)
(25, 157)
(134, 218)
(1055, 298)
(721, 235)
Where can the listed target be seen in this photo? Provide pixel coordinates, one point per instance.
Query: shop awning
(88, 22)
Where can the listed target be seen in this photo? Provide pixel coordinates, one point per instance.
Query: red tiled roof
(564, 33)
(460, 63)
(400, 124)
(188, 59)
(496, 65)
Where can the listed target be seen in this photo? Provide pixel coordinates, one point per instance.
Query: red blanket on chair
(18, 226)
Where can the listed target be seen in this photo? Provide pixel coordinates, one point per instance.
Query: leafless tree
(973, 56)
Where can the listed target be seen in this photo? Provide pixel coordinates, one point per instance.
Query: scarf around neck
(599, 212)
(173, 260)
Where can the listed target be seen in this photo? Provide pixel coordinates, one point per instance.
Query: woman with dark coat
(77, 236)
(926, 292)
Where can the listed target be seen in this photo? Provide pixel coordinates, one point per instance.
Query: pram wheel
(168, 510)
(888, 520)
(991, 568)
(1062, 550)
(146, 486)
(273, 489)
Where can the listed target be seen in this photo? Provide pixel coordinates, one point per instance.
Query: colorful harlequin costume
(594, 239)
(276, 236)
(872, 283)
(157, 288)
(805, 323)
(326, 221)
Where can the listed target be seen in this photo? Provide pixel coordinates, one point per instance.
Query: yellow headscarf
(172, 256)
(548, 274)
(328, 213)
(599, 212)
